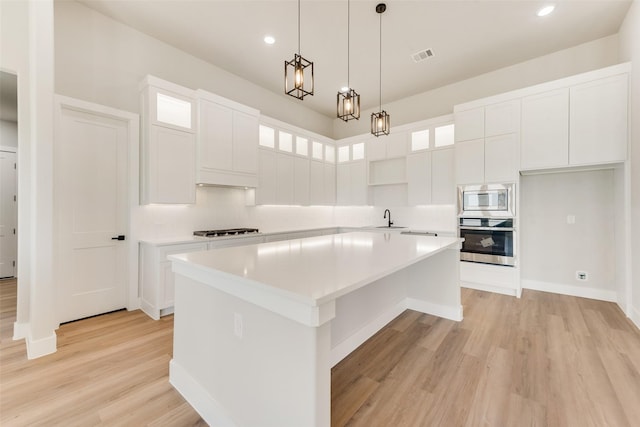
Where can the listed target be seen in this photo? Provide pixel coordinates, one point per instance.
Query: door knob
(120, 237)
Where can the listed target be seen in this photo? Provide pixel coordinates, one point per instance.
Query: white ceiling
(468, 38)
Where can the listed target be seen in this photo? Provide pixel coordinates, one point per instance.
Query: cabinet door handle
(120, 237)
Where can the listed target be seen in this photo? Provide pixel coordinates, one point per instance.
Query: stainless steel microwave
(486, 200)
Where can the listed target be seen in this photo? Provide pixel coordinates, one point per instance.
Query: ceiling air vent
(422, 55)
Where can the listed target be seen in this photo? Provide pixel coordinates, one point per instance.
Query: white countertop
(194, 239)
(315, 270)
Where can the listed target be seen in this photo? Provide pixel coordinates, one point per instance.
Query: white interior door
(91, 206)
(8, 215)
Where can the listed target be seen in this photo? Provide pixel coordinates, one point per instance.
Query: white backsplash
(219, 207)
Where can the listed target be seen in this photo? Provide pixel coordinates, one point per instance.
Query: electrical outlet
(582, 275)
(237, 324)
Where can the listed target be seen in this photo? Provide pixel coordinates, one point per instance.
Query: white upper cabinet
(492, 156)
(419, 178)
(267, 182)
(285, 175)
(545, 130)
(387, 147)
(296, 166)
(578, 125)
(469, 124)
(351, 174)
(228, 135)
(443, 183)
(501, 158)
(598, 121)
(168, 148)
(469, 161)
(301, 177)
(502, 118)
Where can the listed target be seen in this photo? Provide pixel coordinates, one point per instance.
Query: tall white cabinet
(168, 166)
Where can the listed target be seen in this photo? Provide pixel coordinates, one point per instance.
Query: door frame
(132, 120)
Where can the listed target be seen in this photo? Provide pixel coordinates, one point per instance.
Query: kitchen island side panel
(262, 368)
(433, 285)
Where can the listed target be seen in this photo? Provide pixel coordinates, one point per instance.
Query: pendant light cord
(348, 41)
(380, 92)
(298, 27)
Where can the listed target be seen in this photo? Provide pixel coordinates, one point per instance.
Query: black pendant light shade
(298, 77)
(298, 73)
(380, 121)
(348, 106)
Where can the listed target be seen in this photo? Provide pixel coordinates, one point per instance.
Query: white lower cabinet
(492, 278)
(156, 277)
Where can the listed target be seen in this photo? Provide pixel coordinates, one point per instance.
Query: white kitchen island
(258, 327)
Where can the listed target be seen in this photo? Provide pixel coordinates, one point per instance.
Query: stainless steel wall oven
(487, 240)
(486, 215)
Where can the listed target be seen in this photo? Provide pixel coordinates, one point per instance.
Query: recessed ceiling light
(269, 40)
(546, 10)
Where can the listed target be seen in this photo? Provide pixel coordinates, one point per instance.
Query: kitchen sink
(387, 226)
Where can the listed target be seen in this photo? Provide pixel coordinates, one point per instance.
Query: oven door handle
(487, 228)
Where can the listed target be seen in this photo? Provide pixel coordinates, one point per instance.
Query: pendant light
(298, 73)
(348, 107)
(380, 121)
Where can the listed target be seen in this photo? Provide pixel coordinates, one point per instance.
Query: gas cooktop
(225, 232)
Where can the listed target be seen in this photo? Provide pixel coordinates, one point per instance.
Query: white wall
(629, 36)
(585, 57)
(8, 134)
(101, 60)
(553, 250)
(26, 37)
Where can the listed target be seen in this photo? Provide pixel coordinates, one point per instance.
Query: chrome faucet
(387, 211)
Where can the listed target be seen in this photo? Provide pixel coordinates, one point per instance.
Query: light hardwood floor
(543, 360)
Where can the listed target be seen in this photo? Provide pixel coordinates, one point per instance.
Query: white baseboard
(489, 288)
(576, 291)
(20, 330)
(198, 397)
(41, 347)
(635, 316)
(343, 349)
(445, 311)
